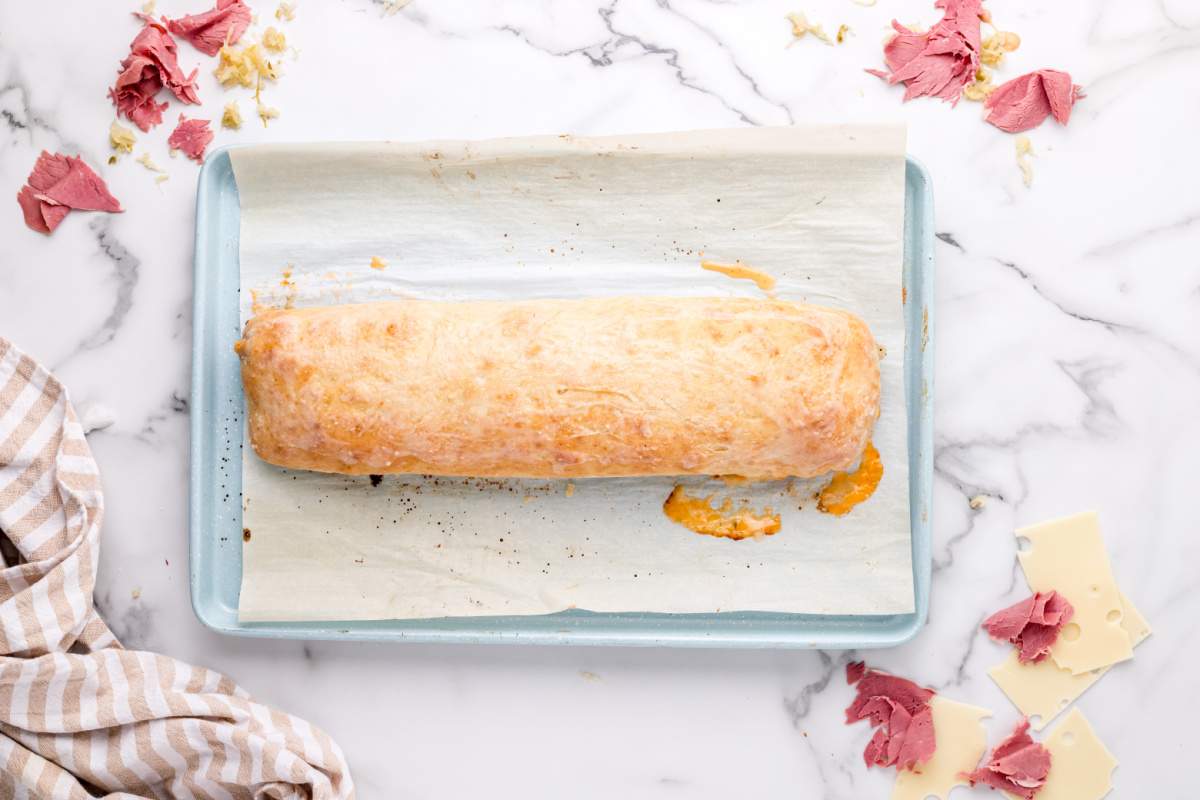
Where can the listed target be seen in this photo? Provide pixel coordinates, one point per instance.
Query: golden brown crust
(562, 388)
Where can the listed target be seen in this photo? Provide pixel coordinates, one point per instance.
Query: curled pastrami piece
(1025, 102)
(56, 185)
(191, 136)
(939, 62)
(900, 710)
(1018, 765)
(152, 63)
(208, 31)
(1032, 625)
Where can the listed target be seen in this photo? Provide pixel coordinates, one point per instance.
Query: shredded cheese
(1024, 151)
(266, 113)
(242, 66)
(842, 30)
(801, 26)
(147, 162)
(979, 89)
(391, 7)
(232, 116)
(993, 48)
(378, 263)
(286, 12)
(121, 138)
(274, 40)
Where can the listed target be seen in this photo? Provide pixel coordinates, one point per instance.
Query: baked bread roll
(598, 387)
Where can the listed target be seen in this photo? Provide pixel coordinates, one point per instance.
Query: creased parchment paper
(819, 209)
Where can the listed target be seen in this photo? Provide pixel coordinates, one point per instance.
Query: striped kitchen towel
(80, 716)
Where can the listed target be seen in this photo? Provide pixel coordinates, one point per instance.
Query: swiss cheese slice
(1080, 765)
(960, 740)
(1043, 690)
(1067, 556)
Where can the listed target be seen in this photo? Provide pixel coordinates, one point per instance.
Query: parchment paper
(820, 209)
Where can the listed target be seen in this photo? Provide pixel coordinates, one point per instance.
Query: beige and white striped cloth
(80, 716)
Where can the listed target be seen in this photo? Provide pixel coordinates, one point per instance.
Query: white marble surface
(1068, 367)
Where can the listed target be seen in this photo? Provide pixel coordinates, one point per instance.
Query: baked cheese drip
(601, 387)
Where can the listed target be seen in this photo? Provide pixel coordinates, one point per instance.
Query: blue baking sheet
(216, 477)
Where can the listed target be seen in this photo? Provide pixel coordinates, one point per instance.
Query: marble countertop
(1068, 367)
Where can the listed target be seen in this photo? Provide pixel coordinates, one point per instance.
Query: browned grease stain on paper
(742, 272)
(699, 515)
(848, 489)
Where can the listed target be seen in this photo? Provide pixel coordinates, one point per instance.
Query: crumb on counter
(121, 138)
(286, 12)
(979, 89)
(232, 116)
(274, 40)
(146, 161)
(266, 113)
(801, 26)
(378, 263)
(977, 502)
(842, 30)
(1024, 149)
(570, 491)
(391, 7)
(993, 48)
(243, 66)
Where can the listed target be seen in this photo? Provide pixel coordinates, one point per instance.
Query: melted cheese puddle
(698, 514)
(741, 271)
(848, 489)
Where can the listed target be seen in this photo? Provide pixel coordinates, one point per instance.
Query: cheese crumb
(391, 7)
(148, 7)
(266, 113)
(121, 138)
(801, 26)
(979, 89)
(993, 48)
(135, 594)
(232, 117)
(570, 489)
(977, 502)
(286, 12)
(1024, 151)
(161, 178)
(843, 29)
(274, 40)
(378, 263)
(147, 162)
